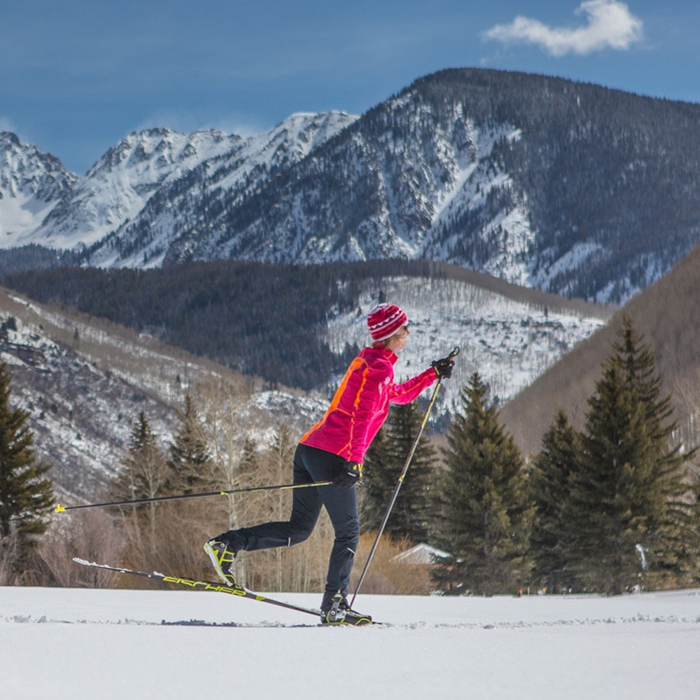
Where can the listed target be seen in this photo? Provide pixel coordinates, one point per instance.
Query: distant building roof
(421, 554)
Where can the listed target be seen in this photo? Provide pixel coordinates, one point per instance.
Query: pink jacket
(361, 404)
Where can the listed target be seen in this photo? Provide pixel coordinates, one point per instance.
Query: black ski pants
(312, 465)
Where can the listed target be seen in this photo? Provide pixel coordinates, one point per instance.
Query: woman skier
(333, 450)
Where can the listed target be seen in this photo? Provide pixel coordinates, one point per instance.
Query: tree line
(607, 509)
(611, 508)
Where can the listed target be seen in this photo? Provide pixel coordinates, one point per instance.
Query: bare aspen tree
(280, 456)
(232, 455)
(90, 534)
(687, 395)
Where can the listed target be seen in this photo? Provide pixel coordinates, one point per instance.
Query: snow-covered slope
(185, 203)
(84, 383)
(80, 413)
(398, 184)
(120, 184)
(509, 343)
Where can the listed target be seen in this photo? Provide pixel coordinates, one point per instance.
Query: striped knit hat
(384, 320)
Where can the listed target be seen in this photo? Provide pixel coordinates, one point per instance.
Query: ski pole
(159, 499)
(394, 496)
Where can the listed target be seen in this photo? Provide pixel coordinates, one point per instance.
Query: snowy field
(109, 644)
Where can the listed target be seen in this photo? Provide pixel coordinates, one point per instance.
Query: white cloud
(610, 25)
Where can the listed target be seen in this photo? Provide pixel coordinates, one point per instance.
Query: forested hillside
(668, 316)
(262, 319)
(273, 321)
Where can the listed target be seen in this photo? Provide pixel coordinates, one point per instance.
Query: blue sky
(76, 76)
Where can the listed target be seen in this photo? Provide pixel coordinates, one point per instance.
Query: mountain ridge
(568, 187)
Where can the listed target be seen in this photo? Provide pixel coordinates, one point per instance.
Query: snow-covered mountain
(184, 202)
(118, 187)
(383, 189)
(543, 182)
(144, 191)
(561, 186)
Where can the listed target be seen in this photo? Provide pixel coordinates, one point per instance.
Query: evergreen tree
(412, 513)
(549, 487)
(628, 502)
(26, 496)
(378, 484)
(143, 473)
(190, 461)
(484, 516)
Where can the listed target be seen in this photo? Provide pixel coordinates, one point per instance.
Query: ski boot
(222, 556)
(337, 611)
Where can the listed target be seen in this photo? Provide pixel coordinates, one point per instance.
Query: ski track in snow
(671, 620)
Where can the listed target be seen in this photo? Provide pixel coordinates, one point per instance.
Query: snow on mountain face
(185, 202)
(406, 181)
(31, 184)
(406, 177)
(143, 192)
(120, 184)
(293, 139)
(509, 343)
(466, 194)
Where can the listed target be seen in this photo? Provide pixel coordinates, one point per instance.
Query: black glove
(443, 368)
(351, 474)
